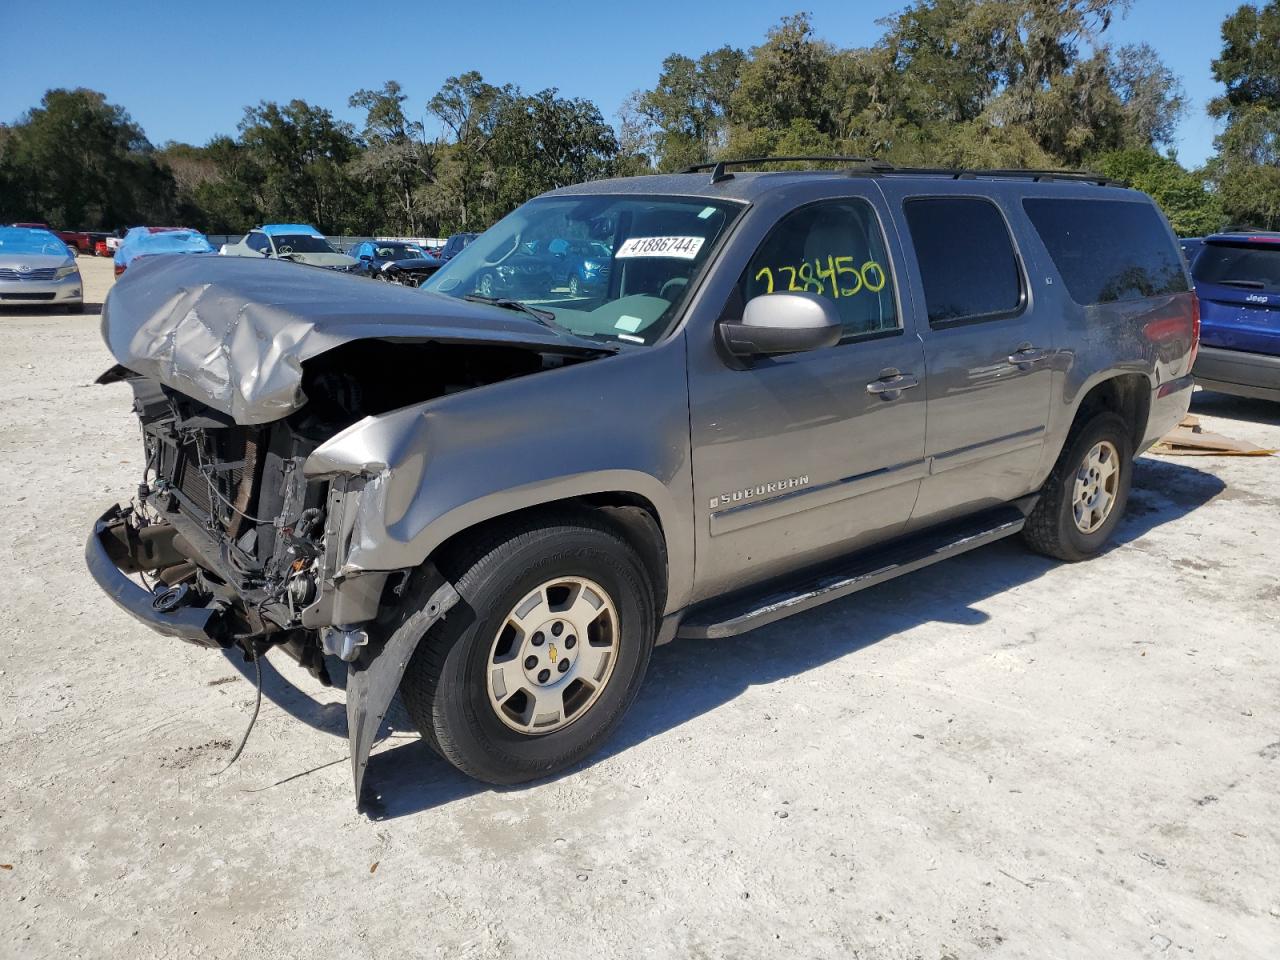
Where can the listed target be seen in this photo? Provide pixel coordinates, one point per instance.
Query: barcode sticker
(681, 248)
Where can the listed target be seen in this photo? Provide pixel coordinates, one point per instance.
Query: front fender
(436, 469)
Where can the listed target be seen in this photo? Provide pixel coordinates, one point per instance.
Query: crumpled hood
(323, 259)
(233, 332)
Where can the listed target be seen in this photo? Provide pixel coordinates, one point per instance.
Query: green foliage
(78, 160)
(990, 82)
(1192, 209)
(964, 83)
(1247, 168)
(397, 162)
(688, 106)
(299, 154)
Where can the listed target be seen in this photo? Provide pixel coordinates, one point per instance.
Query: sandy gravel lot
(999, 756)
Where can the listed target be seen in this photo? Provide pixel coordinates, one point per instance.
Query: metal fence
(342, 244)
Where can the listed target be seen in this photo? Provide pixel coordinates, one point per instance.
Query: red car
(79, 241)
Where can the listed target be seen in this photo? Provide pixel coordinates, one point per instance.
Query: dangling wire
(257, 704)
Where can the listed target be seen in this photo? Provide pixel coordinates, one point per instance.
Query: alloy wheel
(553, 655)
(1096, 483)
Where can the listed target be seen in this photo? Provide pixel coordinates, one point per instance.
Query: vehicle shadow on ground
(1235, 408)
(688, 677)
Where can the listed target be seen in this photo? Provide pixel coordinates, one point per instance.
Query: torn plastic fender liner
(375, 675)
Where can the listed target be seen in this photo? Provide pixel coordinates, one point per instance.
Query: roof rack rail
(869, 166)
(718, 171)
(1077, 176)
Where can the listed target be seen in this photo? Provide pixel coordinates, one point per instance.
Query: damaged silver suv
(783, 388)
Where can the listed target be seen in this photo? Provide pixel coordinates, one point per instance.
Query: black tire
(445, 686)
(487, 285)
(1051, 528)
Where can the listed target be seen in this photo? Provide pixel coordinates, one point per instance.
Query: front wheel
(550, 652)
(1084, 498)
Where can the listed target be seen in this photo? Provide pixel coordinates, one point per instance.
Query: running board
(730, 617)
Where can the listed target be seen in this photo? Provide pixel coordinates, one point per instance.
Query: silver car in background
(38, 268)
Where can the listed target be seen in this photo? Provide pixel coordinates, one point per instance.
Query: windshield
(1254, 266)
(20, 240)
(301, 243)
(398, 251)
(651, 251)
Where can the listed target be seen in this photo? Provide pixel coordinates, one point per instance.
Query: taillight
(119, 269)
(1195, 329)
(1169, 331)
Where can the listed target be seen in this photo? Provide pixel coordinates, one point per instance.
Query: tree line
(967, 83)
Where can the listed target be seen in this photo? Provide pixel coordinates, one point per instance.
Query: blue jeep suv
(1237, 278)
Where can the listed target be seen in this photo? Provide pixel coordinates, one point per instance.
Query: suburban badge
(763, 490)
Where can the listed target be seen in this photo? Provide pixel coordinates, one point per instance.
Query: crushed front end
(230, 543)
(258, 521)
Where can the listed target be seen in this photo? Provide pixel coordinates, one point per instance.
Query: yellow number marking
(872, 265)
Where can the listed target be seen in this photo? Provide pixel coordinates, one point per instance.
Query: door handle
(1026, 355)
(890, 384)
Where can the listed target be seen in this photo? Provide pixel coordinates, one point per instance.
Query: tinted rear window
(1254, 267)
(967, 263)
(1108, 250)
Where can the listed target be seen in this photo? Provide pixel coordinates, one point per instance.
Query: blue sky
(186, 70)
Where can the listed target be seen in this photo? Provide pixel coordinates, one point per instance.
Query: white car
(290, 241)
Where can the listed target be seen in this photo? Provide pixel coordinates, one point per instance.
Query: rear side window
(1108, 250)
(836, 250)
(1255, 267)
(967, 262)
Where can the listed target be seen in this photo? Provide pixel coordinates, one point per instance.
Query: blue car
(584, 265)
(1190, 247)
(149, 241)
(1237, 278)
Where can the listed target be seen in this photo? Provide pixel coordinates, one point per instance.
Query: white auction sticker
(682, 248)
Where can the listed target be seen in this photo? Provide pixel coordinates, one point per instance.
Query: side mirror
(777, 323)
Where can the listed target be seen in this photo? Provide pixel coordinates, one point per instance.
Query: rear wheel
(550, 653)
(1084, 498)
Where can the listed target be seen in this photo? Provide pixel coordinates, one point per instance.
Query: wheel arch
(1127, 394)
(635, 516)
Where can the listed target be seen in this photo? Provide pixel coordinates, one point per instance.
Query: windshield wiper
(544, 317)
(1247, 284)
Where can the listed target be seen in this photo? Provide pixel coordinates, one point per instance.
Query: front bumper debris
(167, 611)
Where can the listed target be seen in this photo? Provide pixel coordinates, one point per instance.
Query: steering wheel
(515, 245)
(284, 250)
(671, 289)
